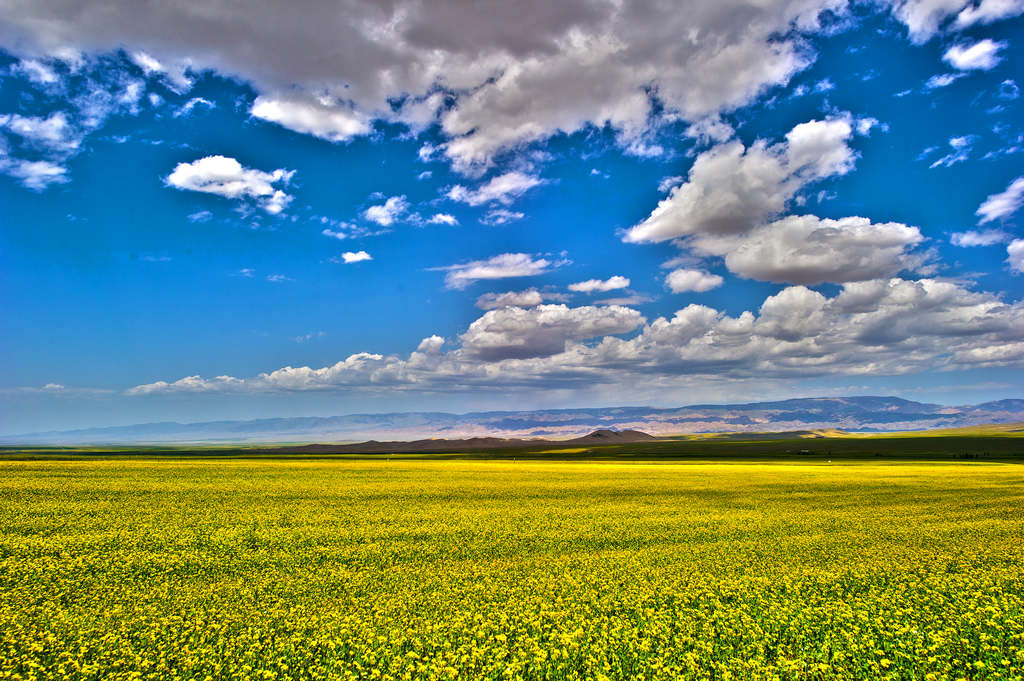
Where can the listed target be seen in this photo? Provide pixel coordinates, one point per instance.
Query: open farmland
(264, 568)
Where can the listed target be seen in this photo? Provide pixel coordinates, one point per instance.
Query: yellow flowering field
(329, 569)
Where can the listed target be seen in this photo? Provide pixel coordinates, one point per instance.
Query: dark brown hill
(598, 437)
(610, 437)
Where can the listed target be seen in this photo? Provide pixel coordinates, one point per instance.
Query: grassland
(264, 568)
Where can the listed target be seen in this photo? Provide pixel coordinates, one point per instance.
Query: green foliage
(208, 568)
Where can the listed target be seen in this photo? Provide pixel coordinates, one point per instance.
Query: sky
(221, 211)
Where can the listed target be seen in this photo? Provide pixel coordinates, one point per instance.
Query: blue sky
(216, 214)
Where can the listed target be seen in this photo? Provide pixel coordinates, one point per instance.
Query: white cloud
(988, 11)
(1015, 253)
(387, 213)
(188, 107)
(443, 219)
(1003, 204)
(494, 301)
(925, 18)
(37, 71)
(278, 278)
(200, 216)
(339, 235)
(670, 182)
(725, 209)
(982, 55)
(341, 230)
(431, 345)
(189, 384)
(501, 216)
(519, 333)
(961, 151)
(225, 176)
(496, 79)
(174, 75)
(504, 266)
(44, 144)
(942, 80)
(36, 175)
(810, 250)
(879, 327)
(502, 189)
(148, 64)
(731, 188)
(595, 285)
(332, 123)
(53, 133)
(708, 130)
(986, 237)
(359, 256)
(508, 75)
(865, 125)
(682, 280)
(426, 154)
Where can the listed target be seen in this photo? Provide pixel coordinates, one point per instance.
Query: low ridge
(598, 437)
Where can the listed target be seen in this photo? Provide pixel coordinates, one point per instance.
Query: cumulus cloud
(494, 301)
(225, 176)
(504, 266)
(525, 298)
(595, 285)
(708, 130)
(512, 74)
(878, 327)
(519, 333)
(495, 79)
(387, 213)
(982, 55)
(443, 219)
(1003, 204)
(699, 281)
(726, 205)
(731, 188)
(502, 189)
(350, 257)
(809, 250)
(332, 123)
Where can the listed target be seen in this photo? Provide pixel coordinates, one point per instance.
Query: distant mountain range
(861, 414)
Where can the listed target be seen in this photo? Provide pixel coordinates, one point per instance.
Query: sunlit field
(276, 569)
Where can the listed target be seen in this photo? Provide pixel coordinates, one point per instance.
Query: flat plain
(166, 567)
